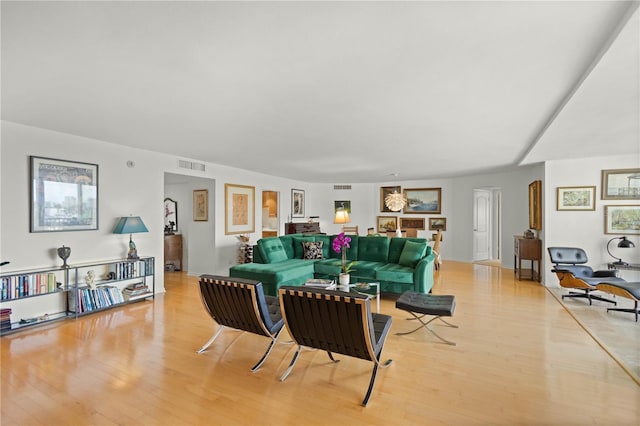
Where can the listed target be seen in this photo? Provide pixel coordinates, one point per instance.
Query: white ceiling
(336, 92)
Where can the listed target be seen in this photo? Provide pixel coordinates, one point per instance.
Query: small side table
(527, 249)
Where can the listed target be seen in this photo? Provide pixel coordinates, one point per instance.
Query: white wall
(122, 191)
(585, 229)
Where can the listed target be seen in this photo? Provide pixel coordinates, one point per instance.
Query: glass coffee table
(364, 289)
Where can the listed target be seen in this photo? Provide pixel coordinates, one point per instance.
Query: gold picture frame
(436, 223)
(622, 220)
(621, 184)
(576, 198)
(386, 223)
(239, 209)
(423, 200)
(412, 223)
(200, 205)
(384, 191)
(535, 205)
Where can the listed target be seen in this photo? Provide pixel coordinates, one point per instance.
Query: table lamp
(624, 243)
(342, 216)
(130, 225)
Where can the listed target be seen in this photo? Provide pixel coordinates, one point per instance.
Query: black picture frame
(297, 203)
(63, 195)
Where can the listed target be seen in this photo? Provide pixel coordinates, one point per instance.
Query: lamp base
(620, 263)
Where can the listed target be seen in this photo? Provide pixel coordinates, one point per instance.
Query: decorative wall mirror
(170, 216)
(535, 205)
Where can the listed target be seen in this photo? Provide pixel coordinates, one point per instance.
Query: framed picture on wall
(436, 223)
(170, 216)
(239, 209)
(622, 220)
(387, 223)
(621, 184)
(412, 223)
(297, 203)
(576, 198)
(345, 205)
(535, 205)
(423, 200)
(201, 205)
(64, 195)
(384, 191)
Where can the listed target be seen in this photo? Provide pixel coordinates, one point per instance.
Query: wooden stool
(427, 304)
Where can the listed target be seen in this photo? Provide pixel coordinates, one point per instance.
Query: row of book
(132, 269)
(16, 286)
(134, 290)
(85, 299)
(5, 319)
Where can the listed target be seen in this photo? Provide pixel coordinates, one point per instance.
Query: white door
(481, 224)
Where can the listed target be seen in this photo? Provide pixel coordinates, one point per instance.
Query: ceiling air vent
(191, 165)
(342, 187)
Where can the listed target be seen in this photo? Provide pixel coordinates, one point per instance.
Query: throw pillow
(412, 252)
(272, 250)
(312, 249)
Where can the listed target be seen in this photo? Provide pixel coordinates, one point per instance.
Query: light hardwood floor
(520, 359)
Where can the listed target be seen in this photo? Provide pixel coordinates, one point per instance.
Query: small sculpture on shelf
(64, 253)
(90, 279)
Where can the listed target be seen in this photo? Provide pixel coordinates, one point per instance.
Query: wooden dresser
(527, 249)
(302, 228)
(173, 252)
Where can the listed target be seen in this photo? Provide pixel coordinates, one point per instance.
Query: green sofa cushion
(364, 269)
(397, 244)
(328, 267)
(392, 272)
(272, 250)
(412, 253)
(373, 249)
(292, 271)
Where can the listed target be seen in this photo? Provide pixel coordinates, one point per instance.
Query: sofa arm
(423, 274)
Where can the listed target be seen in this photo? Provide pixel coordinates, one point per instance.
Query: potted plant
(340, 245)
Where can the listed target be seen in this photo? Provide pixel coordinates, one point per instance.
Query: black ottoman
(630, 290)
(427, 304)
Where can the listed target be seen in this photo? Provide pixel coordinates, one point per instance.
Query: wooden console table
(527, 249)
(302, 228)
(173, 251)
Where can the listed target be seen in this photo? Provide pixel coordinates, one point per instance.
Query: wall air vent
(191, 165)
(342, 187)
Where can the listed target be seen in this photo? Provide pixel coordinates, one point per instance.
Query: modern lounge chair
(569, 266)
(337, 322)
(242, 305)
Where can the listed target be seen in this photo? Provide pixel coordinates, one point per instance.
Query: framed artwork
(387, 223)
(576, 198)
(346, 205)
(200, 205)
(384, 191)
(423, 200)
(621, 184)
(535, 205)
(170, 216)
(622, 220)
(239, 209)
(297, 203)
(64, 195)
(436, 223)
(412, 222)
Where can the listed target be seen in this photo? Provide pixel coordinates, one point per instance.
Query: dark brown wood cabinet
(302, 228)
(527, 249)
(173, 252)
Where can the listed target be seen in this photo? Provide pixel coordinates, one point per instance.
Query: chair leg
(372, 381)
(210, 341)
(332, 358)
(291, 364)
(587, 295)
(634, 310)
(426, 325)
(266, 354)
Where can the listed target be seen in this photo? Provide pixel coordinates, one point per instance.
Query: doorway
(270, 216)
(487, 225)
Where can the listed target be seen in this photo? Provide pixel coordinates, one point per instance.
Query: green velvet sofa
(398, 264)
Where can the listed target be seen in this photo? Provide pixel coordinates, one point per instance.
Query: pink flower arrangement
(340, 245)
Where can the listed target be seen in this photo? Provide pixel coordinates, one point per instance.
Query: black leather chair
(569, 266)
(337, 322)
(242, 305)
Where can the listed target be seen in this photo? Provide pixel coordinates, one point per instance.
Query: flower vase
(343, 282)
